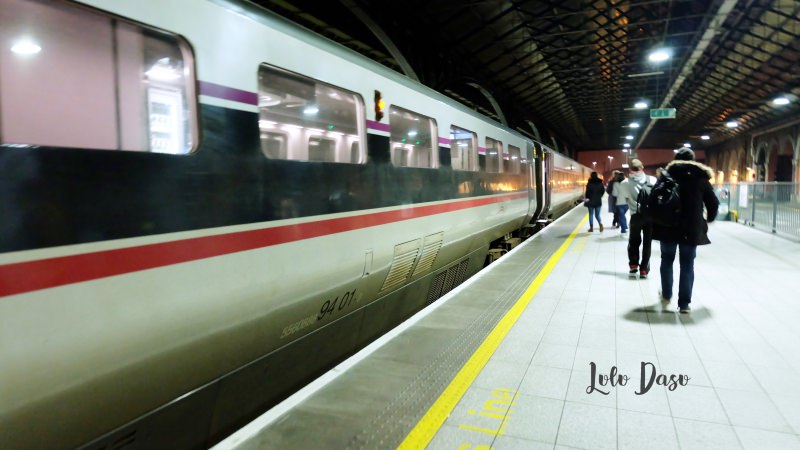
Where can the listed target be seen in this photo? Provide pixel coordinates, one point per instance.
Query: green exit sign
(662, 113)
(633, 155)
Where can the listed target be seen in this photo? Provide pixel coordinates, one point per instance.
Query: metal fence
(771, 206)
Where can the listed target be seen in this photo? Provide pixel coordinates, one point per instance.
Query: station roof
(576, 68)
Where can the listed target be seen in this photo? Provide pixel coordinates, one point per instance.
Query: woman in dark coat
(695, 191)
(616, 177)
(592, 199)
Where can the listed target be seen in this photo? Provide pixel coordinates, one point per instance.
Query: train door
(547, 172)
(537, 169)
(530, 158)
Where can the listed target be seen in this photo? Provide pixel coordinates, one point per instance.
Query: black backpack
(643, 197)
(663, 204)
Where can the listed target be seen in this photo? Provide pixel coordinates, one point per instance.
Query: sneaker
(590, 230)
(601, 227)
(633, 270)
(662, 298)
(643, 273)
(624, 231)
(684, 309)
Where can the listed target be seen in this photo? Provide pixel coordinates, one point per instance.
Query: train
(203, 206)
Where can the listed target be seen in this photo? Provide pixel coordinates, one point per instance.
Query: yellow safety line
(420, 436)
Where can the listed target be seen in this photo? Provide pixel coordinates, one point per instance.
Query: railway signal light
(379, 104)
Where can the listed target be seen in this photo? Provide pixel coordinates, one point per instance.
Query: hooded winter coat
(695, 191)
(594, 192)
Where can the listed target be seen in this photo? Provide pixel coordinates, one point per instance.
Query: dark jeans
(623, 220)
(613, 211)
(641, 234)
(688, 252)
(596, 211)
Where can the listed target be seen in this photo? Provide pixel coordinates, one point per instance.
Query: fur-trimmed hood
(693, 166)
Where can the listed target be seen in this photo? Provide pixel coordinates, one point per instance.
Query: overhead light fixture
(626, 145)
(311, 110)
(163, 70)
(732, 124)
(629, 137)
(634, 125)
(705, 137)
(624, 150)
(659, 55)
(686, 144)
(645, 74)
(25, 47)
(640, 105)
(412, 133)
(624, 166)
(780, 101)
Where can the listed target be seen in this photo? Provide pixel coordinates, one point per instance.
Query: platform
(504, 361)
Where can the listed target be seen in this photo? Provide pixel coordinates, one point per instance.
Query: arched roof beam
(382, 37)
(492, 101)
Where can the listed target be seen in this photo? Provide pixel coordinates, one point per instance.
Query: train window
(414, 138)
(321, 149)
(494, 154)
(463, 149)
(274, 145)
(76, 77)
(318, 121)
(512, 163)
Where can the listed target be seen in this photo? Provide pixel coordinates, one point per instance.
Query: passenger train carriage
(203, 206)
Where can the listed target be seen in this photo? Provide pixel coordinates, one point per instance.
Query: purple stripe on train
(481, 150)
(228, 93)
(444, 141)
(371, 124)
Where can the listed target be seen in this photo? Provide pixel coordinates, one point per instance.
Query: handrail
(769, 206)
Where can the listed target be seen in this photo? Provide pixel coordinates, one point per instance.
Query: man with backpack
(637, 188)
(691, 180)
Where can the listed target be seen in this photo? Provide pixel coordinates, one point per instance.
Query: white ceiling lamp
(634, 125)
(629, 137)
(626, 145)
(732, 124)
(780, 101)
(659, 55)
(640, 105)
(705, 137)
(686, 144)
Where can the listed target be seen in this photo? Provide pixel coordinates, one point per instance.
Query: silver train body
(203, 209)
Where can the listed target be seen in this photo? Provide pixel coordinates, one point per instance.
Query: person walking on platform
(612, 201)
(695, 192)
(641, 229)
(621, 193)
(592, 199)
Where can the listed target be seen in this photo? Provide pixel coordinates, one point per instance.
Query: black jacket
(695, 192)
(594, 192)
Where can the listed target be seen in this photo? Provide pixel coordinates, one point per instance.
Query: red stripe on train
(17, 278)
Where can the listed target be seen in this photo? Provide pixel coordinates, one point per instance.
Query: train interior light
(26, 47)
